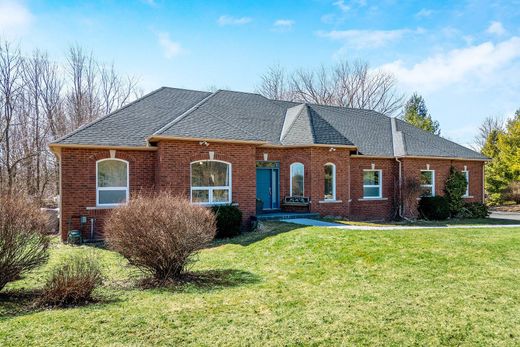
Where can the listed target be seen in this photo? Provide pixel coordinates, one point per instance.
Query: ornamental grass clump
(72, 282)
(160, 233)
(23, 237)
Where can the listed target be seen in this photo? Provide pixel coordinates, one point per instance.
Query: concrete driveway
(505, 215)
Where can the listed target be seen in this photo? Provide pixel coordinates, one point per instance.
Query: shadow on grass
(20, 302)
(269, 229)
(203, 281)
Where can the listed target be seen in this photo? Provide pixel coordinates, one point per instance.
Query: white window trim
(466, 174)
(333, 182)
(291, 178)
(98, 188)
(432, 186)
(380, 185)
(210, 189)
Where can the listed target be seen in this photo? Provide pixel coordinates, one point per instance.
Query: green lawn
(431, 223)
(299, 286)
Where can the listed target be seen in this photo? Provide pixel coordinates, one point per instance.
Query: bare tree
(115, 91)
(343, 84)
(489, 125)
(11, 73)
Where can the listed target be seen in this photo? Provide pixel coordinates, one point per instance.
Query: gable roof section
(238, 116)
(132, 124)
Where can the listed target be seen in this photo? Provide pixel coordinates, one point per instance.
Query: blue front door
(267, 187)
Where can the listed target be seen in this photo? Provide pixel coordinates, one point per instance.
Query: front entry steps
(286, 215)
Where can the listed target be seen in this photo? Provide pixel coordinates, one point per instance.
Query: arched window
(330, 181)
(210, 182)
(297, 179)
(111, 182)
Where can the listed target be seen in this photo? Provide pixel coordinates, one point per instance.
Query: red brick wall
(413, 166)
(380, 209)
(169, 168)
(78, 181)
(173, 169)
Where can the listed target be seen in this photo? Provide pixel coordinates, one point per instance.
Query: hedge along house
(233, 147)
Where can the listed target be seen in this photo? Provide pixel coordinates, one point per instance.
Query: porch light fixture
(203, 143)
(332, 149)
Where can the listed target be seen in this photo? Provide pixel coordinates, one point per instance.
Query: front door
(267, 187)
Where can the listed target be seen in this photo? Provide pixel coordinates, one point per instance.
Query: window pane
(426, 177)
(371, 178)
(371, 192)
(209, 174)
(200, 195)
(112, 173)
(220, 195)
(297, 174)
(329, 182)
(112, 197)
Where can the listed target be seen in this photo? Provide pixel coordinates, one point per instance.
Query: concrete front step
(286, 215)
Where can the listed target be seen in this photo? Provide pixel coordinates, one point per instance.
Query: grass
(433, 223)
(297, 286)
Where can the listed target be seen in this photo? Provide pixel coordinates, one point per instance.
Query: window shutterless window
(372, 184)
(297, 179)
(330, 181)
(427, 181)
(466, 174)
(210, 182)
(111, 182)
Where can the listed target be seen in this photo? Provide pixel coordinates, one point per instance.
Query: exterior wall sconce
(204, 143)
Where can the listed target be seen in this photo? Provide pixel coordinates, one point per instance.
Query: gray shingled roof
(230, 115)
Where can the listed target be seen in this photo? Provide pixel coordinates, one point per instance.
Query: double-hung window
(466, 174)
(427, 181)
(111, 182)
(372, 184)
(330, 181)
(297, 179)
(210, 182)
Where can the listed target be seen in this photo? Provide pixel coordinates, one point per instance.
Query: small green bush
(454, 190)
(434, 208)
(474, 210)
(72, 282)
(229, 220)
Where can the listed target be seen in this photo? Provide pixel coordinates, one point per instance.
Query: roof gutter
(182, 138)
(56, 147)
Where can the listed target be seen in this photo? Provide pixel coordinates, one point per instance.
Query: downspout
(400, 209)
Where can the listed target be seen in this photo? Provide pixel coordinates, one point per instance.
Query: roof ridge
(329, 124)
(184, 114)
(398, 143)
(85, 126)
(291, 125)
(311, 121)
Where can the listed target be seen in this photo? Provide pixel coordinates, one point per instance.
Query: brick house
(233, 147)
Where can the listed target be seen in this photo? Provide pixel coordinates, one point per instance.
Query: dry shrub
(23, 240)
(160, 234)
(73, 281)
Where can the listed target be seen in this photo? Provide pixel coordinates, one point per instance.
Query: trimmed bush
(160, 234)
(229, 220)
(23, 240)
(72, 282)
(434, 208)
(454, 190)
(474, 210)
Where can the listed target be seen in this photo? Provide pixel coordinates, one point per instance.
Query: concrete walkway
(318, 223)
(505, 215)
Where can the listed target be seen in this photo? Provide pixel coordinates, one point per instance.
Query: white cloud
(283, 24)
(345, 7)
(487, 62)
(367, 38)
(170, 48)
(496, 28)
(229, 20)
(424, 13)
(15, 17)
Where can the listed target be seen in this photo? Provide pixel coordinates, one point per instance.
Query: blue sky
(462, 56)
